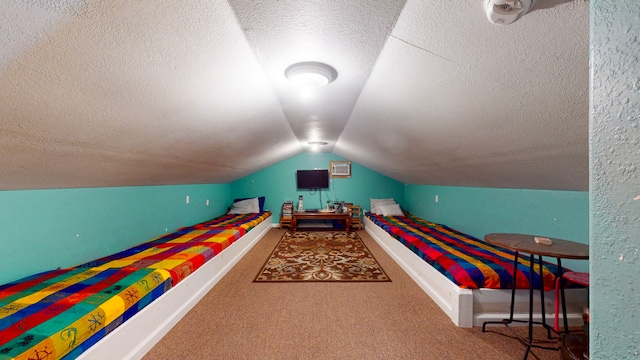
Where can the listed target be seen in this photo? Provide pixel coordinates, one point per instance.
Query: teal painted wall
(479, 211)
(278, 183)
(614, 138)
(47, 229)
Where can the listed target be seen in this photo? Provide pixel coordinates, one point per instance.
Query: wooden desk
(560, 249)
(303, 215)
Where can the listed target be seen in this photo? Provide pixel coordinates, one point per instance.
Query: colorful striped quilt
(244, 221)
(181, 253)
(61, 313)
(467, 261)
(52, 314)
(184, 251)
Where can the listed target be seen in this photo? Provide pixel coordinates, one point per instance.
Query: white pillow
(375, 203)
(245, 206)
(391, 210)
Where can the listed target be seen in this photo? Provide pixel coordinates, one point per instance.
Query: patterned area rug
(321, 256)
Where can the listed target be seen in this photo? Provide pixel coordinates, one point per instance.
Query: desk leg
(542, 309)
(564, 302)
(513, 298)
(294, 224)
(527, 342)
(513, 287)
(530, 340)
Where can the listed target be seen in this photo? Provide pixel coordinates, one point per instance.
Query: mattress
(243, 221)
(61, 313)
(181, 253)
(465, 260)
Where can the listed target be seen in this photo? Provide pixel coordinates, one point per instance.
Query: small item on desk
(542, 240)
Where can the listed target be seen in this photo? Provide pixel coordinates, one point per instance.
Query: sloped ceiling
(126, 93)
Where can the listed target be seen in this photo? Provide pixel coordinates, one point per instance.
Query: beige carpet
(241, 319)
(321, 256)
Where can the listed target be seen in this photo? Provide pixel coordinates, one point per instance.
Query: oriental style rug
(321, 256)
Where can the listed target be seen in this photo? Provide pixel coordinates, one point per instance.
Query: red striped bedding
(468, 262)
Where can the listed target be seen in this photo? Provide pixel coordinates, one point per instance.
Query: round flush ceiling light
(311, 73)
(317, 145)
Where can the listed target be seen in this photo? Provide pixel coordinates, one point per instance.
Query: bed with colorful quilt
(119, 306)
(468, 278)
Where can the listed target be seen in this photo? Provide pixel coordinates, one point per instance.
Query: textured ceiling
(125, 93)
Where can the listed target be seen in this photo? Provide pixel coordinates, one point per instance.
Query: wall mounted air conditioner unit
(341, 169)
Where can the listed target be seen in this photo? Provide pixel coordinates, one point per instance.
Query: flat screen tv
(312, 179)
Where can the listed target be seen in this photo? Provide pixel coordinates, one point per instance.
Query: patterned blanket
(243, 221)
(61, 313)
(53, 314)
(467, 261)
(181, 253)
